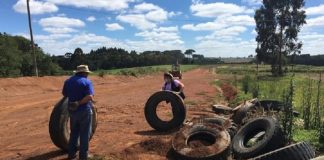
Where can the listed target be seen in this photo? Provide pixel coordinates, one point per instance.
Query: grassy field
(305, 80)
(136, 71)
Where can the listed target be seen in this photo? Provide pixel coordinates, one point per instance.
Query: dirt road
(122, 133)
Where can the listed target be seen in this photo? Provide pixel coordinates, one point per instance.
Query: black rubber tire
(232, 130)
(178, 110)
(272, 139)
(270, 105)
(58, 124)
(218, 150)
(240, 114)
(231, 127)
(298, 151)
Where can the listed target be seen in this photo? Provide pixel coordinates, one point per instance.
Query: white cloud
(60, 25)
(161, 34)
(252, 2)
(144, 7)
(141, 46)
(61, 22)
(114, 27)
(222, 22)
(162, 38)
(216, 9)
(221, 48)
(166, 29)
(52, 37)
(172, 14)
(157, 15)
(317, 10)
(110, 5)
(312, 42)
(61, 30)
(145, 16)
(59, 44)
(137, 20)
(36, 7)
(315, 22)
(208, 26)
(226, 33)
(91, 18)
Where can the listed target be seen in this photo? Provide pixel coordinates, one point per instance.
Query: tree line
(16, 58)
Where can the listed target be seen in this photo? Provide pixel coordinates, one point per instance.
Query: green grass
(273, 88)
(310, 136)
(136, 71)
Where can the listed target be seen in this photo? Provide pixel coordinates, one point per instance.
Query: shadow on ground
(48, 155)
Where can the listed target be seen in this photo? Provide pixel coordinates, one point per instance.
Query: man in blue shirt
(80, 92)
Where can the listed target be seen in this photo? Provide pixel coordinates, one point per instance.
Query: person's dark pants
(80, 124)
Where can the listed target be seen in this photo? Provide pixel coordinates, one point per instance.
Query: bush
(246, 83)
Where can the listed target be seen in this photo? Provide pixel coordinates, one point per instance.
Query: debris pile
(231, 134)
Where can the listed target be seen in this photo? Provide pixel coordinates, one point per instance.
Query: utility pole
(32, 39)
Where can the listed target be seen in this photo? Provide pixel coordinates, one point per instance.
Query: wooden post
(32, 40)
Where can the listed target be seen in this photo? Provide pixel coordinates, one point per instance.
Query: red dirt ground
(122, 132)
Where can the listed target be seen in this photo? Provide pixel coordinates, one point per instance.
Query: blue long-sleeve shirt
(76, 88)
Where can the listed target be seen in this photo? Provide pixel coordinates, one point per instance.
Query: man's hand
(73, 106)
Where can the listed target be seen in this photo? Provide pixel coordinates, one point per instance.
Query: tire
(240, 114)
(272, 139)
(58, 124)
(217, 147)
(270, 105)
(228, 124)
(298, 151)
(178, 110)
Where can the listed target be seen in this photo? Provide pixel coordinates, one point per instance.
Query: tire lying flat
(214, 143)
(178, 110)
(58, 125)
(273, 138)
(298, 151)
(228, 124)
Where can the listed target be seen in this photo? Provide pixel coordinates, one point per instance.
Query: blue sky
(214, 28)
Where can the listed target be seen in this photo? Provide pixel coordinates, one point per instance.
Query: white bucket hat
(82, 68)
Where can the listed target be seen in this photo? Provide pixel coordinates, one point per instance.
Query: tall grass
(301, 91)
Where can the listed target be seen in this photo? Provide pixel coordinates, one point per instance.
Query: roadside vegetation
(301, 86)
(137, 71)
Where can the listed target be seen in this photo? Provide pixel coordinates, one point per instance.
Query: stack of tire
(265, 131)
(219, 138)
(208, 138)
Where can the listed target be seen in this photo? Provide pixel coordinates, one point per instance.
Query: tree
(189, 52)
(277, 25)
(77, 58)
(10, 59)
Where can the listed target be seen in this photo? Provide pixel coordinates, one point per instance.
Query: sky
(214, 28)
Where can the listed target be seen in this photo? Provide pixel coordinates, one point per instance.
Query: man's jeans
(80, 124)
